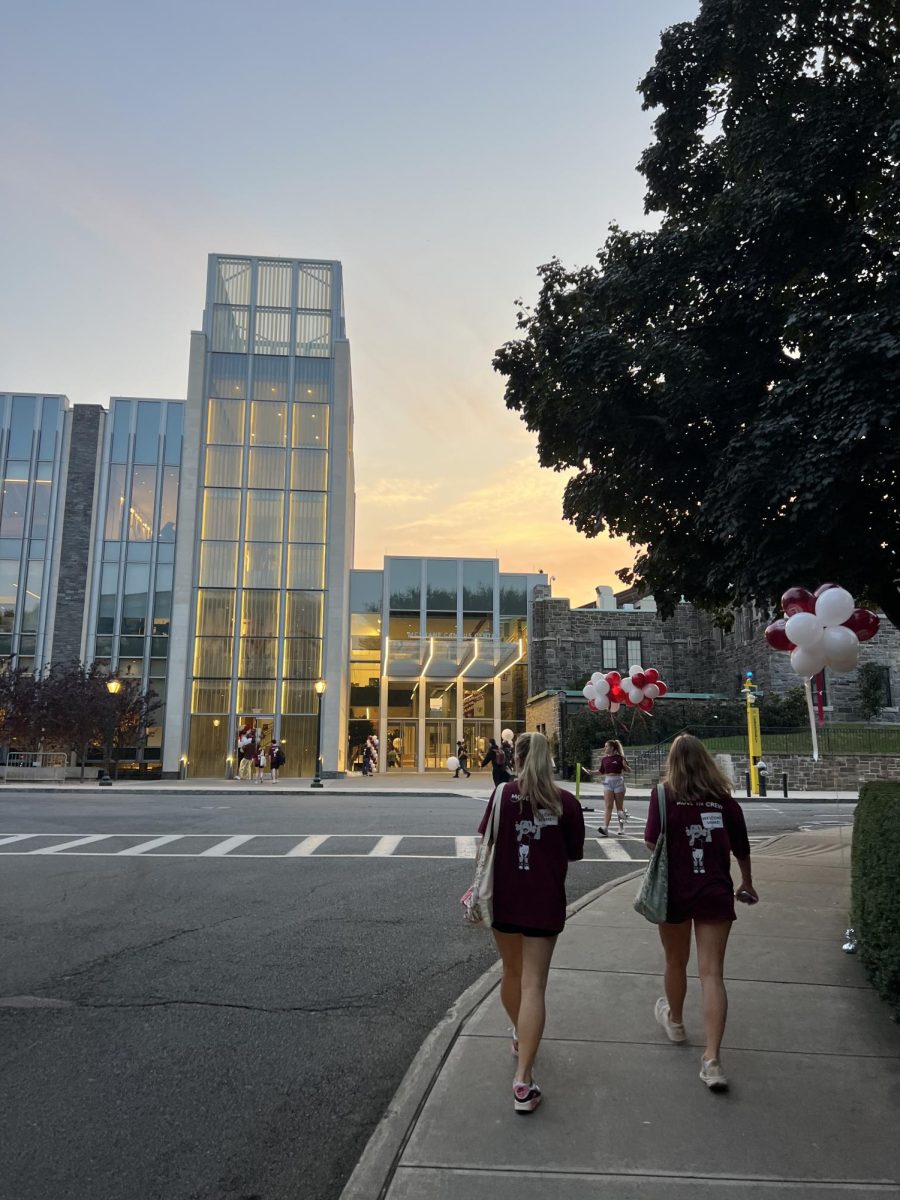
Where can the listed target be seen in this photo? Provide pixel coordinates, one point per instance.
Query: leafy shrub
(875, 891)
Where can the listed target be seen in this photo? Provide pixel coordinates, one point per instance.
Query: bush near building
(875, 891)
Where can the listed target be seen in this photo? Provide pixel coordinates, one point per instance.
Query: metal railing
(33, 766)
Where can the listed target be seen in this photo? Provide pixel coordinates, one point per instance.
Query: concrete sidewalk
(811, 1053)
(426, 783)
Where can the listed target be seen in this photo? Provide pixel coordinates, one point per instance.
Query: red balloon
(796, 600)
(612, 678)
(592, 705)
(646, 704)
(777, 638)
(825, 588)
(663, 688)
(864, 623)
(639, 680)
(651, 675)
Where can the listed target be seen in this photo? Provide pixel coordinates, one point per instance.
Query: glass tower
(273, 511)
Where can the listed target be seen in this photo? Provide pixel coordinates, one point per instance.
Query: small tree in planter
(870, 681)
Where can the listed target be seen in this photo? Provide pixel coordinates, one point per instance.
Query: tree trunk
(83, 757)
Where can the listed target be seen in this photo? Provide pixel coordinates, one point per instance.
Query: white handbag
(478, 901)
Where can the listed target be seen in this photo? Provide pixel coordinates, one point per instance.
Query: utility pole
(754, 737)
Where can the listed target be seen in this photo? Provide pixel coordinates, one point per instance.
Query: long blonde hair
(534, 771)
(693, 774)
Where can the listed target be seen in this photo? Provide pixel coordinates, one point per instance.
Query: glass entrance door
(440, 743)
(403, 739)
(478, 735)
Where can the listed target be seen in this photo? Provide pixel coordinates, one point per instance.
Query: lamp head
(114, 686)
(320, 686)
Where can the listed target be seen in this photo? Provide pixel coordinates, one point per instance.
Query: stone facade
(833, 772)
(75, 543)
(690, 653)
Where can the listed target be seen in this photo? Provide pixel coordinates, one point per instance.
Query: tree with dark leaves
(725, 387)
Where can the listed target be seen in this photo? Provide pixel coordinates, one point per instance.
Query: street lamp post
(113, 686)
(320, 686)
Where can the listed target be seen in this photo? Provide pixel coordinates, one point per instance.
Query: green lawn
(833, 739)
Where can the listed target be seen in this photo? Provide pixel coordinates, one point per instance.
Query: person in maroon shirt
(704, 827)
(541, 832)
(613, 764)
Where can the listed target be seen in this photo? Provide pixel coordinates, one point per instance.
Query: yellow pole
(754, 738)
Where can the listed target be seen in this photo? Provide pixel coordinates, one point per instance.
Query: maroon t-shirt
(532, 858)
(612, 764)
(700, 839)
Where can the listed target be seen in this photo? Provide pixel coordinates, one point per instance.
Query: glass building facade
(135, 532)
(31, 440)
(272, 460)
(438, 653)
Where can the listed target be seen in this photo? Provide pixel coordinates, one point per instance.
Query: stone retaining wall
(833, 772)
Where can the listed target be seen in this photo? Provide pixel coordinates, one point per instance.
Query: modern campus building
(203, 547)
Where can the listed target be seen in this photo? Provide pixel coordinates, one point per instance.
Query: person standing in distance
(497, 759)
(541, 831)
(704, 827)
(612, 768)
(462, 753)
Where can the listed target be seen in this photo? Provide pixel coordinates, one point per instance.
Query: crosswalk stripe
(231, 843)
(307, 846)
(16, 837)
(465, 847)
(385, 846)
(143, 847)
(613, 850)
(82, 841)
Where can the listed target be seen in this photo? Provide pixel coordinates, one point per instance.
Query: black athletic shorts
(502, 927)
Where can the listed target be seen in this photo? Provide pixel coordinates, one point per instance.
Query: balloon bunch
(821, 629)
(639, 689)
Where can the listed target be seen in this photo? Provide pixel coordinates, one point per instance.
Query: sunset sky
(441, 152)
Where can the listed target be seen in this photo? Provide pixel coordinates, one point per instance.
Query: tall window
(633, 652)
(609, 654)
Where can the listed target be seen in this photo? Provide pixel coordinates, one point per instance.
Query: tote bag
(478, 902)
(653, 897)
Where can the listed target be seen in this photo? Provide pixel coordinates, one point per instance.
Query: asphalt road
(226, 1014)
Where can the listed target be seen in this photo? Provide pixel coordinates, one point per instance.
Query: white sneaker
(674, 1032)
(712, 1075)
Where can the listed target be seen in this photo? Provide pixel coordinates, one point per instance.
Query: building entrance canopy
(449, 658)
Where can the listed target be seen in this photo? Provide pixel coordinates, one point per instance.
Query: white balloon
(834, 607)
(596, 677)
(602, 688)
(839, 664)
(651, 691)
(507, 736)
(589, 692)
(602, 703)
(614, 706)
(839, 642)
(807, 662)
(635, 669)
(635, 695)
(804, 629)
(452, 763)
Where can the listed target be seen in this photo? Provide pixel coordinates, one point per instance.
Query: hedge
(875, 884)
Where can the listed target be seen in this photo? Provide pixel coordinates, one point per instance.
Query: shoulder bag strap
(495, 812)
(661, 800)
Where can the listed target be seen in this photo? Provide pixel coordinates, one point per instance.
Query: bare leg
(676, 940)
(536, 955)
(608, 801)
(712, 938)
(509, 946)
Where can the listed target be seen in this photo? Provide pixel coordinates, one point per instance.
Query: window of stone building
(633, 652)
(609, 654)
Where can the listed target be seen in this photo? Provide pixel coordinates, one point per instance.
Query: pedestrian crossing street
(285, 846)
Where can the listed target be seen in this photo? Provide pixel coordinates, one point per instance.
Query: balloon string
(807, 687)
(820, 696)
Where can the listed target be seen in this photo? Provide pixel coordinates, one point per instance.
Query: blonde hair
(616, 745)
(534, 770)
(693, 774)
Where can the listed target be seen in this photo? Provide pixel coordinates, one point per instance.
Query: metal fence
(33, 766)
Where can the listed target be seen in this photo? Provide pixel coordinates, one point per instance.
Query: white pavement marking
(613, 850)
(231, 843)
(16, 837)
(307, 846)
(385, 846)
(465, 847)
(151, 845)
(92, 837)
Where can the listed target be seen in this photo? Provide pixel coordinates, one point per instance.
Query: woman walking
(704, 827)
(541, 832)
(497, 759)
(612, 768)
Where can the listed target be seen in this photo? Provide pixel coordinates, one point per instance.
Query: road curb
(374, 1172)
